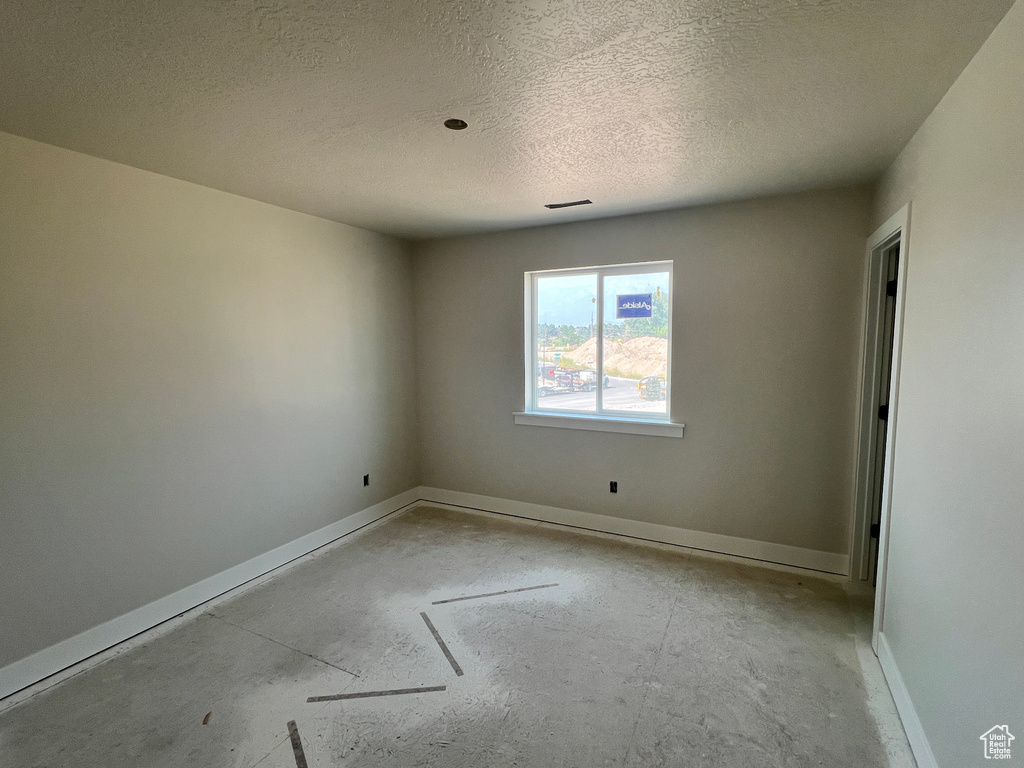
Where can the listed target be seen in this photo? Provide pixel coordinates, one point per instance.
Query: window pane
(636, 309)
(566, 343)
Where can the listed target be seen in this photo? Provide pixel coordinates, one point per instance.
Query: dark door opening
(886, 329)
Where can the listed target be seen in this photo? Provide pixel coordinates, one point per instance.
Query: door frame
(896, 229)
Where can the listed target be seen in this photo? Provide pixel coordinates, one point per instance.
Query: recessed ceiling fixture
(569, 205)
(455, 124)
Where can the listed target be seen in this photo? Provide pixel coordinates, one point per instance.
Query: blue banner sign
(633, 305)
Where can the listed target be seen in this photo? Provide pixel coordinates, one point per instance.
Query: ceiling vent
(552, 206)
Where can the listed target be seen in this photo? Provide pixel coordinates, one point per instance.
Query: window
(599, 344)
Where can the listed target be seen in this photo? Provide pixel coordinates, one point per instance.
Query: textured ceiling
(335, 107)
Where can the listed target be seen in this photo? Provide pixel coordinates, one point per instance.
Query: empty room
(511, 383)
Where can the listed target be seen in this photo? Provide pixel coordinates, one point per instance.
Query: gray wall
(955, 598)
(187, 379)
(767, 322)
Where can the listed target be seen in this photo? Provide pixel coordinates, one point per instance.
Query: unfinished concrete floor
(640, 656)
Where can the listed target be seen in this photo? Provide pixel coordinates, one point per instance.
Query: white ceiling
(335, 107)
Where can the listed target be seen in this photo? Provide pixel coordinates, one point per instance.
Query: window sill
(601, 424)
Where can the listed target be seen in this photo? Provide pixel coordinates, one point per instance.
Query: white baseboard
(50, 661)
(781, 554)
(911, 722)
(71, 656)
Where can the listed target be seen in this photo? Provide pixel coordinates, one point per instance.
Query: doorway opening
(884, 295)
(889, 269)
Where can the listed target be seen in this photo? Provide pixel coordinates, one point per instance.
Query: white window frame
(603, 420)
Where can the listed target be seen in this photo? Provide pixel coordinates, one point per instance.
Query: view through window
(601, 340)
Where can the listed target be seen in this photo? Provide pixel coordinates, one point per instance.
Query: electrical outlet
(366, 480)
(613, 486)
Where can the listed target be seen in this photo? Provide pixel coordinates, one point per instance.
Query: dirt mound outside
(633, 359)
